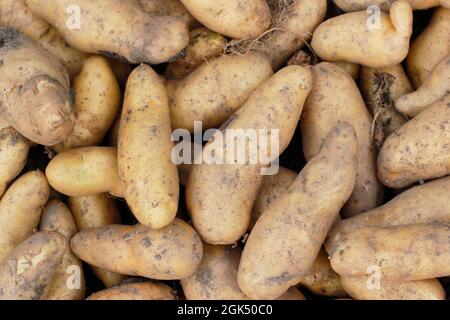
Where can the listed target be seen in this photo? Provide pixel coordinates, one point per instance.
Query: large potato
(136, 291)
(220, 196)
(148, 175)
(295, 226)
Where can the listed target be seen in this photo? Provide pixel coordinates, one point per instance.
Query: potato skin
(170, 253)
(20, 210)
(85, 171)
(357, 5)
(394, 290)
(172, 8)
(114, 36)
(136, 291)
(147, 173)
(404, 252)
(295, 226)
(215, 90)
(238, 19)
(377, 47)
(97, 101)
(28, 271)
(57, 217)
(35, 98)
(220, 197)
(335, 98)
(408, 155)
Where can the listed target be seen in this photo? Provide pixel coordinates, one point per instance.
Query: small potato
(20, 210)
(28, 271)
(219, 196)
(402, 253)
(335, 98)
(203, 45)
(419, 149)
(358, 289)
(238, 19)
(34, 98)
(170, 253)
(68, 282)
(350, 37)
(97, 211)
(435, 87)
(431, 46)
(97, 101)
(172, 8)
(85, 171)
(136, 291)
(148, 175)
(356, 5)
(296, 225)
(125, 32)
(215, 90)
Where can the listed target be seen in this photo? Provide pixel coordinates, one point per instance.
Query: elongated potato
(356, 5)
(97, 211)
(296, 225)
(237, 19)
(34, 98)
(68, 282)
(431, 46)
(13, 154)
(97, 100)
(170, 253)
(172, 8)
(20, 210)
(147, 173)
(149, 39)
(204, 45)
(220, 197)
(394, 290)
(85, 171)
(136, 291)
(215, 90)
(435, 87)
(335, 98)
(403, 252)
(419, 149)
(375, 46)
(28, 271)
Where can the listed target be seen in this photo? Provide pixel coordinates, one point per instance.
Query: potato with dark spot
(28, 271)
(136, 291)
(35, 97)
(287, 238)
(117, 28)
(172, 8)
(170, 253)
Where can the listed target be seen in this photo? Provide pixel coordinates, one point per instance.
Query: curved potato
(419, 149)
(126, 31)
(34, 98)
(97, 101)
(172, 8)
(148, 175)
(20, 210)
(220, 197)
(357, 5)
(296, 225)
(28, 271)
(85, 171)
(170, 253)
(375, 46)
(238, 19)
(68, 281)
(136, 291)
(335, 98)
(215, 90)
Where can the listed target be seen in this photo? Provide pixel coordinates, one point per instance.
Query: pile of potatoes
(93, 206)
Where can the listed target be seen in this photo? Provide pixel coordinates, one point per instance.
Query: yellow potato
(85, 171)
(170, 253)
(172, 8)
(136, 291)
(148, 175)
(350, 37)
(295, 226)
(220, 197)
(356, 5)
(68, 282)
(20, 210)
(335, 98)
